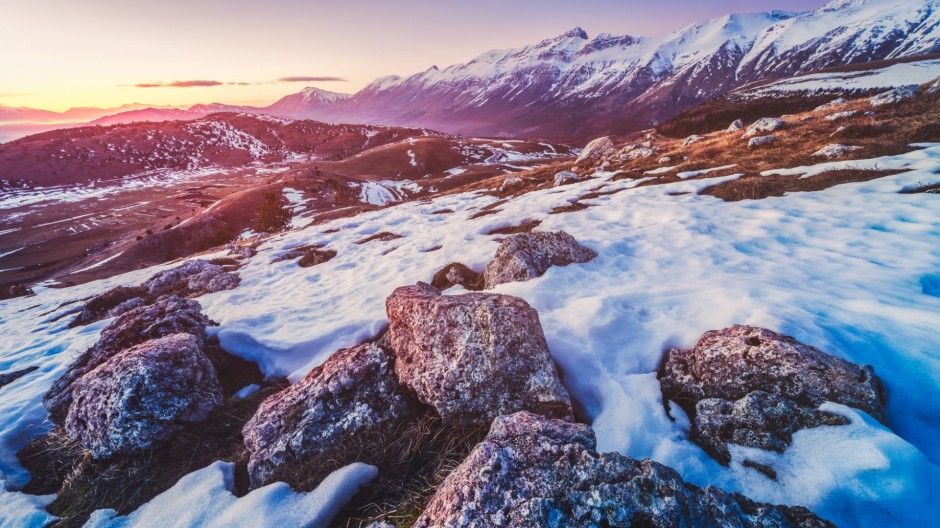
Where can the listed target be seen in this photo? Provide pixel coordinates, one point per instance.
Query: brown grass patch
(756, 187)
(384, 236)
(524, 227)
(570, 208)
(456, 273)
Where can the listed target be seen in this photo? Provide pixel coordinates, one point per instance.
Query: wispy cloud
(310, 79)
(179, 84)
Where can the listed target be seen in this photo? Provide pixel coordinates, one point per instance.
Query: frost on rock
(841, 115)
(535, 471)
(753, 387)
(525, 256)
(896, 95)
(597, 150)
(170, 315)
(473, 357)
(694, 138)
(735, 126)
(764, 125)
(355, 391)
(143, 396)
(760, 141)
(192, 279)
(835, 151)
(566, 177)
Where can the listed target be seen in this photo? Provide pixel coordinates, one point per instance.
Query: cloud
(310, 79)
(179, 84)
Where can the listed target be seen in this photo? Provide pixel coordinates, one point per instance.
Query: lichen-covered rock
(735, 126)
(566, 177)
(525, 256)
(754, 387)
(896, 95)
(760, 141)
(834, 151)
(168, 316)
(143, 396)
(691, 140)
(473, 357)
(532, 471)
(111, 303)
(596, 150)
(191, 279)
(353, 392)
(763, 126)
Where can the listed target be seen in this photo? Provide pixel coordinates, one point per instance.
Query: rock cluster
(525, 256)
(753, 387)
(535, 471)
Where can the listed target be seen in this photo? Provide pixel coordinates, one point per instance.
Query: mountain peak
(577, 32)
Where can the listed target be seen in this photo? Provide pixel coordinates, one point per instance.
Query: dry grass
(524, 227)
(468, 278)
(757, 187)
(384, 236)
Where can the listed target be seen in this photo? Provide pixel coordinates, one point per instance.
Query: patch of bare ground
(384, 236)
(756, 187)
(524, 227)
(456, 273)
(933, 188)
(570, 208)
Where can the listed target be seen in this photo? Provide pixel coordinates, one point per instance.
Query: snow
(205, 498)
(691, 174)
(384, 192)
(892, 76)
(851, 270)
(98, 264)
(12, 251)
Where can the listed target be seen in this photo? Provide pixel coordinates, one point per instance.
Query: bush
(273, 215)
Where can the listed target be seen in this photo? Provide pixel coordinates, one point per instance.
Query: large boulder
(143, 396)
(191, 279)
(534, 471)
(763, 126)
(760, 141)
(525, 256)
(597, 150)
(353, 392)
(735, 126)
(753, 387)
(473, 357)
(901, 93)
(168, 316)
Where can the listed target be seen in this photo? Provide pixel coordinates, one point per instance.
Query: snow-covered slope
(576, 85)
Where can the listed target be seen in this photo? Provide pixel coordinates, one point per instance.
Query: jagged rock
(143, 396)
(841, 101)
(841, 115)
(533, 471)
(193, 278)
(764, 125)
(111, 303)
(754, 387)
(525, 256)
(456, 273)
(736, 126)
(896, 95)
(760, 141)
(473, 357)
(834, 150)
(597, 149)
(353, 392)
(566, 177)
(169, 315)
(691, 140)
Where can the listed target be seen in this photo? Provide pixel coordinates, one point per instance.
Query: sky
(59, 54)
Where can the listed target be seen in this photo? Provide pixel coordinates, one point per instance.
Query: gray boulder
(192, 279)
(835, 103)
(143, 396)
(763, 126)
(566, 177)
(834, 151)
(535, 471)
(525, 256)
(841, 115)
(473, 357)
(754, 387)
(597, 150)
(901, 93)
(736, 126)
(760, 141)
(355, 391)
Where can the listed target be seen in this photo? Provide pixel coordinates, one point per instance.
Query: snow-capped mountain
(576, 85)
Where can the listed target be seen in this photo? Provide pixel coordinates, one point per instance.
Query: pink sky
(65, 53)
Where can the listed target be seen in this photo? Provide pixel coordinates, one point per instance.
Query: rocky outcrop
(168, 316)
(901, 93)
(142, 396)
(753, 387)
(834, 151)
(192, 279)
(473, 357)
(534, 471)
(355, 391)
(525, 256)
(760, 141)
(455, 274)
(111, 303)
(763, 126)
(735, 126)
(597, 150)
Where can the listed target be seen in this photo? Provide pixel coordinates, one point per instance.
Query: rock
(456, 273)
(665, 159)
(896, 95)
(637, 153)
(511, 183)
(736, 126)
(241, 251)
(532, 471)
(355, 391)
(566, 177)
(841, 101)
(525, 256)
(143, 396)
(933, 88)
(694, 138)
(753, 387)
(168, 316)
(473, 357)
(111, 303)
(760, 141)
(834, 151)
(841, 115)
(764, 125)
(192, 279)
(597, 149)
